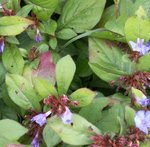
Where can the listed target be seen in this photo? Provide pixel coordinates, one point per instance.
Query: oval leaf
(109, 63)
(44, 87)
(81, 15)
(48, 134)
(46, 68)
(44, 9)
(84, 96)
(137, 28)
(143, 63)
(65, 69)
(11, 130)
(76, 134)
(12, 59)
(129, 115)
(21, 92)
(13, 25)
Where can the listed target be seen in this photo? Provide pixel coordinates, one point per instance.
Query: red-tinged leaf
(46, 68)
(15, 145)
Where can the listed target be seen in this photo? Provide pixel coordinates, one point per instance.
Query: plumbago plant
(74, 73)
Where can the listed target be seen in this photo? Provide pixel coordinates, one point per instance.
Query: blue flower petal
(142, 120)
(67, 116)
(35, 142)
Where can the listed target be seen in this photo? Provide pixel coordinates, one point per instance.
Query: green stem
(83, 35)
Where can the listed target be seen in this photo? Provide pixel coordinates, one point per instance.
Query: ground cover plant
(74, 73)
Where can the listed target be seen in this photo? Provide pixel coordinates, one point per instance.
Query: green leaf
(116, 25)
(21, 92)
(137, 93)
(53, 43)
(129, 115)
(66, 34)
(12, 39)
(145, 144)
(109, 35)
(11, 4)
(7, 100)
(109, 63)
(143, 6)
(48, 134)
(44, 88)
(93, 112)
(83, 69)
(12, 60)
(2, 73)
(137, 28)
(11, 130)
(43, 9)
(111, 120)
(4, 142)
(7, 112)
(65, 70)
(83, 95)
(143, 63)
(48, 27)
(24, 11)
(81, 15)
(13, 25)
(76, 134)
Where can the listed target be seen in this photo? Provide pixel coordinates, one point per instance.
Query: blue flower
(142, 120)
(38, 37)
(35, 141)
(143, 102)
(67, 116)
(41, 118)
(140, 47)
(2, 45)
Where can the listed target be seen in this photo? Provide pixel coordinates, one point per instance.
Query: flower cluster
(59, 107)
(139, 80)
(142, 117)
(131, 139)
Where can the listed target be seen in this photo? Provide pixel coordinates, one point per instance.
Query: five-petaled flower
(140, 47)
(142, 120)
(38, 37)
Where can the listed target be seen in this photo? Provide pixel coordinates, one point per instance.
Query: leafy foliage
(62, 63)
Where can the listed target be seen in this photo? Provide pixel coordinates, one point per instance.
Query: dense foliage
(74, 73)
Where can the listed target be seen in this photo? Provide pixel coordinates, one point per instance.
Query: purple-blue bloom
(38, 37)
(2, 45)
(148, 44)
(143, 102)
(67, 116)
(41, 118)
(140, 47)
(35, 141)
(142, 120)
